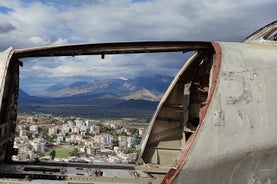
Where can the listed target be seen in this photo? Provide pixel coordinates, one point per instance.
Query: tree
(134, 131)
(129, 150)
(53, 154)
(30, 135)
(45, 136)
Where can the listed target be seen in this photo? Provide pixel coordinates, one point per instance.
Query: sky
(30, 23)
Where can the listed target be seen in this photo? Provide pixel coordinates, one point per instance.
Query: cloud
(60, 41)
(36, 40)
(124, 20)
(6, 27)
(51, 22)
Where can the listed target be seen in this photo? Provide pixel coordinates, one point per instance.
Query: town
(42, 137)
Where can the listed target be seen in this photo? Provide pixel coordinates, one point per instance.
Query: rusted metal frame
(157, 148)
(71, 164)
(106, 179)
(172, 173)
(111, 48)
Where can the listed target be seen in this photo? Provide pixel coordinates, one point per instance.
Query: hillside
(107, 98)
(147, 88)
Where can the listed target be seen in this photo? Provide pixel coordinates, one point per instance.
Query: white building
(83, 130)
(22, 133)
(94, 129)
(60, 138)
(75, 129)
(130, 141)
(76, 139)
(126, 141)
(93, 151)
(89, 123)
(80, 122)
(52, 130)
(38, 145)
(142, 131)
(65, 129)
(33, 128)
(70, 123)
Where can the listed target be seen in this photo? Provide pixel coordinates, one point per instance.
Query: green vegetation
(74, 152)
(59, 153)
(53, 154)
(108, 130)
(49, 139)
(134, 131)
(129, 150)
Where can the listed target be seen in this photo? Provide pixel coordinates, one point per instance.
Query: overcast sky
(30, 23)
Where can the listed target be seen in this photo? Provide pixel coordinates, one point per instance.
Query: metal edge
(172, 173)
(261, 33)
(110, 48)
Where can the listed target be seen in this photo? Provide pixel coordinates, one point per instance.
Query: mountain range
(103, 98)
(146, 88)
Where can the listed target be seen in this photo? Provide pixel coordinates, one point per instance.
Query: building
(65, 129)
(38, 145)
(75, 139)
(83, 130)
(75, 129)
(52, 130)
(94, 129)
(142, 131)
(34, 128)
(93, 151)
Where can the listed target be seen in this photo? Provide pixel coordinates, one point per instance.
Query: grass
(60, 153)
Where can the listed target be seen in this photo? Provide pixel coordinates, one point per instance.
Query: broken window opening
(176, 58)
(178, 116)
(196, 92)
(271, 36)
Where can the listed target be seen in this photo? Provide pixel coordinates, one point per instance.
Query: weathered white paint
(240, 122)
(4, 62)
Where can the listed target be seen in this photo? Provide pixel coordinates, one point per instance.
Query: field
(60, 153)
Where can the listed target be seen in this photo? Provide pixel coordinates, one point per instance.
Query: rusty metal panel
(239, 130)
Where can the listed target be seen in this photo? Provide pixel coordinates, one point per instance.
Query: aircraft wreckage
(216, 123)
